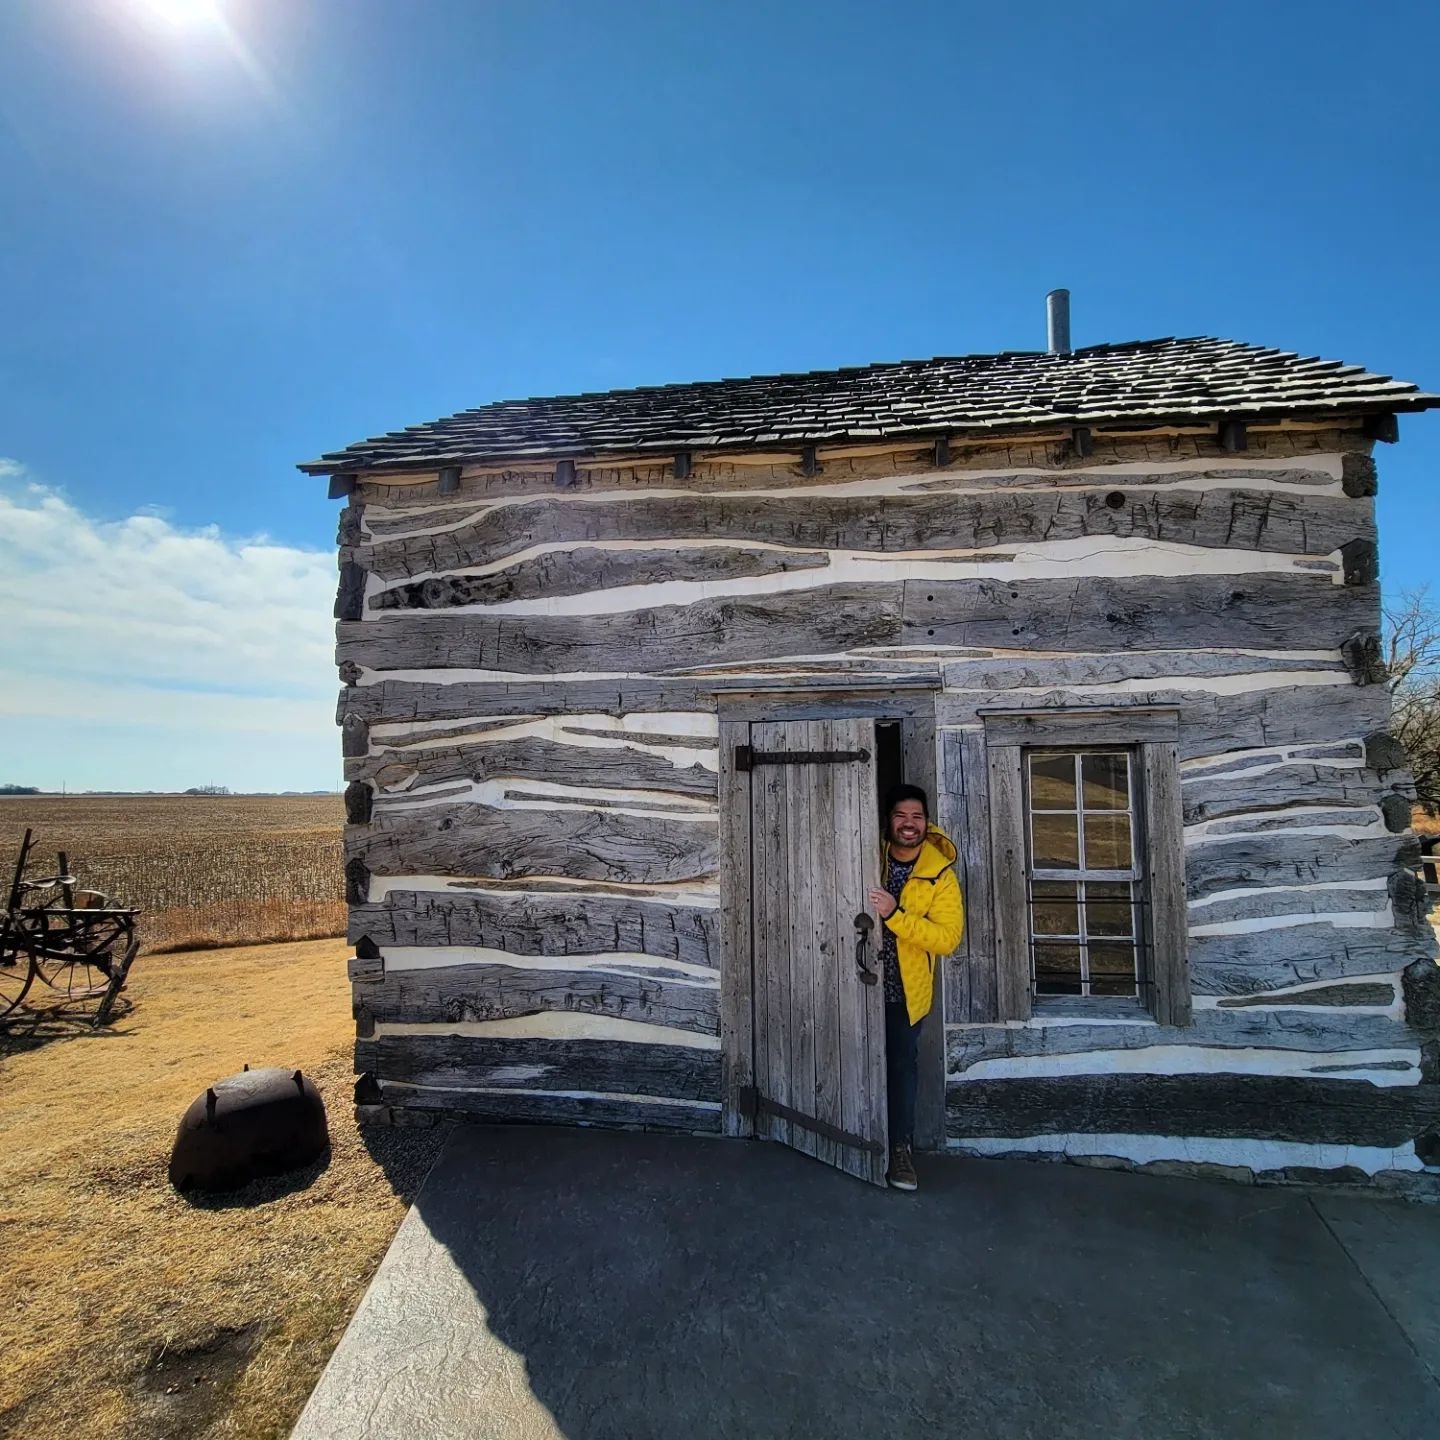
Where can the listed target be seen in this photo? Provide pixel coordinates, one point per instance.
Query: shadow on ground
(33, 1027)
(594, 1285)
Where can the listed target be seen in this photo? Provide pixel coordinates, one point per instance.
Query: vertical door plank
(803, 820)
(775, 922)
(1007, 848)
(831, 928)
(737, 998)
(875, 1123)
(950, 814)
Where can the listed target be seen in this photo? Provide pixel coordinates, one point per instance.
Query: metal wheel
(73, 951)
(15, 973)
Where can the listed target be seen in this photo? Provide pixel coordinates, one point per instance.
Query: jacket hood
(937, 853)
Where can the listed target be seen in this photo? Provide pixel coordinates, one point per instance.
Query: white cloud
(140, 623)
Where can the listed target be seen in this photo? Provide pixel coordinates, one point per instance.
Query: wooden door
(819, 1025)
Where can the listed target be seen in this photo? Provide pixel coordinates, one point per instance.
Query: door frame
(912, 704)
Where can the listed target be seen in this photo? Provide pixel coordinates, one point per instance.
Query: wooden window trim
(1152, 733)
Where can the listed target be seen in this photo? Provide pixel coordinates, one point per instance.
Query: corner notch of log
(1364, 658)
(354, 736)
(359, 800)
(942, 452)
(809, 462)
(350, 596)
(1233, 436)
(1385, 428)
(684, 464)
(366, 949)
(1357, 476)
(1383, 753)
(1361, 560)
(447, 482)
(350, 673)
(343, 484)
(1395, 809)
(357, 882)
(1082, 442)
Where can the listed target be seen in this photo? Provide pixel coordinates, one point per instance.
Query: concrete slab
(584, 1284)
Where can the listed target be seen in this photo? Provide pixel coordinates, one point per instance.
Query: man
(922, 920)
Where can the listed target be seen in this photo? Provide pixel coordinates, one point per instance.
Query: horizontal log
(1267, 1107)
(458, 838)
(624, 1067)
(569, 922)
(829, 618)
(1264, 960)
(1343, 995)
(532, 758)
(1064, 671)
(1238, 862)
(1207, 797)
(1235, 519)
(527, 1109)
(501, 992)
(1258, 611)
(579, 572)
(1287, 1030)
(1261, 822)
(1210, 724)
(1262, 904)
(418, 701)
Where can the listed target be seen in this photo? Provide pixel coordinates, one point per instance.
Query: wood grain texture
(574, 922)
(737, 995)
(1209, 797)
(1295, 955)
(1210, 724)
(1256, 904)
(579, 572)
(1343, 995)
(477, 840)
(420, 701)
(1065, 671)
(1238, 862)
(501, 992)
(1165, 882)
(522, 1108)
(965, 817)
(762, 627)
(1267, 1107)
(1008, 857)
(1257, 611)
(1240, 1029)
(622, 1067)
(1236, 519)
(532, 758)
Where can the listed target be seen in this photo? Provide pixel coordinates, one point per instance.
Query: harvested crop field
(206, 870)
(131, 1311)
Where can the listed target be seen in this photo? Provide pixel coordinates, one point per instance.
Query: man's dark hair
(906, 792)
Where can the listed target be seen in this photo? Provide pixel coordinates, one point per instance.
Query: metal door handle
(863, 926)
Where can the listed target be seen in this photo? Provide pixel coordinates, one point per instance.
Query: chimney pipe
(1057, 314)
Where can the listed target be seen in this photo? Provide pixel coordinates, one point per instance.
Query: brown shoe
(902, 1174)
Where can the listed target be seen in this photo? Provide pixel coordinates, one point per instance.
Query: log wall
(532, 675)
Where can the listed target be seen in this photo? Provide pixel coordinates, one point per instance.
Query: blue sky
(230, 245)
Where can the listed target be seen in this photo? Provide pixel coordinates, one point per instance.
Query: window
(1087, 869)
(1085, 887)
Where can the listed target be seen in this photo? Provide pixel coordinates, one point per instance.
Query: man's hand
(884, 903)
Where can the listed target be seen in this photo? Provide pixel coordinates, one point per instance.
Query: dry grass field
(206, 870)
(133, 1312)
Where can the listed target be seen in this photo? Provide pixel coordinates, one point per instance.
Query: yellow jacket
(929, 919)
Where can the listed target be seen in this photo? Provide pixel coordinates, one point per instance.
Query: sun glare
(182, 13)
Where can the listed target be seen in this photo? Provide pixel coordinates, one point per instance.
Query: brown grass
(130, 1311)
(224, 870)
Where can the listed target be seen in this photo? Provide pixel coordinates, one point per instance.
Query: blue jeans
(902, 1071)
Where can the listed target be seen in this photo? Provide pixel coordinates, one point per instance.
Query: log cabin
(624, 675)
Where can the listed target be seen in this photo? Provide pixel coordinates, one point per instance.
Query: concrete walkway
(592, 1285)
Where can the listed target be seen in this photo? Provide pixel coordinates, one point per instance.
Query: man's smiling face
(907, 824)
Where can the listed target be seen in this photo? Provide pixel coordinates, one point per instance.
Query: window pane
(1053, 909)
(1106, 781)
(1057, 969)
(1052, 782)
(1057, 842)
(1107, 842)
(1112, 968)
(1107, 908)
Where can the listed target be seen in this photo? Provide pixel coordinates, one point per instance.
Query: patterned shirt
(896, 876)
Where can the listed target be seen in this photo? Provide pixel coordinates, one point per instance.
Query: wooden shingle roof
(1145, 383)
